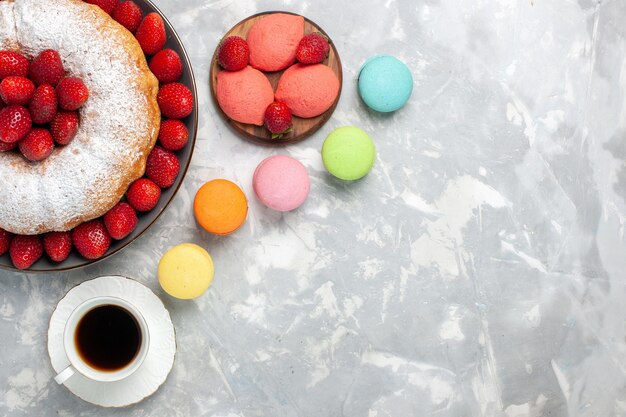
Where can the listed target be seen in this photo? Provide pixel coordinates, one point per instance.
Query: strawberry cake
(118, 126)
(273, 41)
(244, 95)
(308, 90)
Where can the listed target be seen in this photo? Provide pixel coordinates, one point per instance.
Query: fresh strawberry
(173, 134)
(175, 100)
(57, 245)
(64, 126)
(15, 122)
(46, 68)
(151, 34)
(120, 220)
(43, 105)
(277, 119)
(91, 239)
(7, 146)
(166, 66)
(162, 167)
(72, 93)
(106, 5)
(25, 250)
(13, 63)
(37, 145)
(16, 90)
(5, 241)
(234, 53)
(143, 194)
(128, 14)
(312, 49)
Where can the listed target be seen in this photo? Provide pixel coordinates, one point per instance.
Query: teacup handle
(65, 374)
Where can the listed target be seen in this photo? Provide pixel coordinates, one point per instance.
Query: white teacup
(81, 365)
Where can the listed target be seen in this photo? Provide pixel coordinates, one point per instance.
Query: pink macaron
(281, 183)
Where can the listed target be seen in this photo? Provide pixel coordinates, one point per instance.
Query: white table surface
(478, 270)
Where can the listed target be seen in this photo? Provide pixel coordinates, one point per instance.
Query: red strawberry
(151, 34)
(64, 126)
(5, 241)
(312, 49)
(15, 122)
(175, 100)
(37, 145)
(166, 66)
(25, 250)
(162, 167)
(16, 90)
(46, 68)
(120, 220)
(43, 105)
(277, 119)
(143, 194)
(91, 239)
(7, 146)
(12, 63)
(234, 53)
(173, 134)
(128, 14)
(72, 93)
(106, 5)
(57, 245)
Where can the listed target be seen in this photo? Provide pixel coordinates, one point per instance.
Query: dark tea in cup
(108, 338)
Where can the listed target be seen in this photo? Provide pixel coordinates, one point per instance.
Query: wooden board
(301, 127)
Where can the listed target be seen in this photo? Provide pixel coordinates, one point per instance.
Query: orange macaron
(220, 207)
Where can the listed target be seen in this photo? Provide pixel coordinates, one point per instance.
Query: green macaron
(348, 153)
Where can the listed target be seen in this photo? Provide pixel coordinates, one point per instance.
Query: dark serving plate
(184, 156)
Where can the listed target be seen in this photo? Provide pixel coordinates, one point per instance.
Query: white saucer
(155, 368)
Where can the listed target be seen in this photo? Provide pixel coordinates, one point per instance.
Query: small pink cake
(308, 90)
(281, 183)
(273, 40)
(244, 95)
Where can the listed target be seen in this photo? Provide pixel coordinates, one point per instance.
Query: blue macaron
(385, 83)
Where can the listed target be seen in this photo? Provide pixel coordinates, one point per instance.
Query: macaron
(220, 207)
(348, 153)
(385, 83)
(185, 271)
(281, 183)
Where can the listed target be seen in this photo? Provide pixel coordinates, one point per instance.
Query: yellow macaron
(185, 271)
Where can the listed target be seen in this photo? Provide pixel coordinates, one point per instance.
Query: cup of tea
(106, 339)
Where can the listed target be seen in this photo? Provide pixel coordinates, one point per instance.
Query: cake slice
(308, 90)
(273, 40)
(244, 95)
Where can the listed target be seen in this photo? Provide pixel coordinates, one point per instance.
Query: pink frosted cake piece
(308, 90)
(244, 95)
(273, 40)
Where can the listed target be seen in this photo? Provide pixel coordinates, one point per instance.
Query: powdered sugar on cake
(118, 124)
